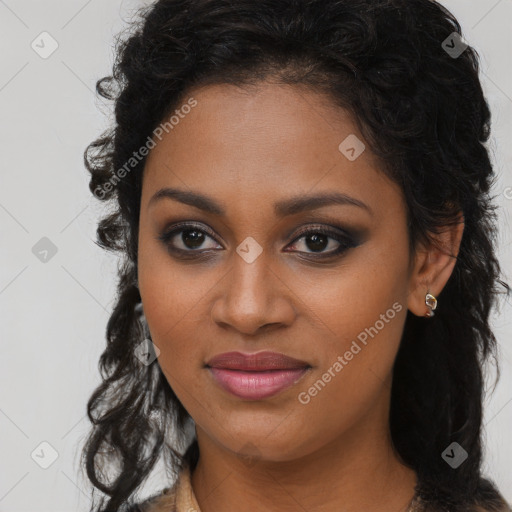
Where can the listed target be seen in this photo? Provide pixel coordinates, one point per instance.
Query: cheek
(357, 353)
(359, 311)
(173, 310)
(171, 292)
(174, 301)
(370, 285)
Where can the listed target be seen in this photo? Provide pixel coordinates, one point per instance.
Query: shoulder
(153, 503)
(492, 504)
(495, 506)
(501, 507)
(490, 498)
(486, 499)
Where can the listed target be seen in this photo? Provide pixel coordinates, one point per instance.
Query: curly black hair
(422, 111)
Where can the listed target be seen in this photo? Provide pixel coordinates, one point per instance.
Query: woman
(300, 194)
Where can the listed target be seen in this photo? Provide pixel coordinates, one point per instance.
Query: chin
(262, 440)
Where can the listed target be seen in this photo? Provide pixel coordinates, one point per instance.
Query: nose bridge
(250, 287)
(250, 273)
(251, 295)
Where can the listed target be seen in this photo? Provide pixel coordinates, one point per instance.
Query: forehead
(260, 142)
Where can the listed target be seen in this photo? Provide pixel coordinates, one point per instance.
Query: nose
(253, 298)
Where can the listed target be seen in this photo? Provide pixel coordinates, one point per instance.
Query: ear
(433, 266)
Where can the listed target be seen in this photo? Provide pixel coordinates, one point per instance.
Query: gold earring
(431, 303)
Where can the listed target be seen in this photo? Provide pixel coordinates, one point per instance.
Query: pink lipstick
(256, 376)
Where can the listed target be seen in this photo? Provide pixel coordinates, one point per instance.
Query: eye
(191, 240)
(318, 239)
(188, 238)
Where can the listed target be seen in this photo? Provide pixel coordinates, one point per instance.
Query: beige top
(179, 498)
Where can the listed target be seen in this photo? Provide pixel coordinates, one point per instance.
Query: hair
(423, 114)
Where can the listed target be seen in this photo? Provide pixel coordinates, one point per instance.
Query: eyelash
(346, 241)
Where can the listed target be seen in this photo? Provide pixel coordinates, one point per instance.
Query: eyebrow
(282, 208)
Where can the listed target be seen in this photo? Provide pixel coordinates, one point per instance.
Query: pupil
(319, 242)
(192, 238)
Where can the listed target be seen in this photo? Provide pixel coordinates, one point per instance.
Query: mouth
(256, 376)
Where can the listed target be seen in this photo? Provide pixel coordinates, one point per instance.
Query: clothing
(178, 498)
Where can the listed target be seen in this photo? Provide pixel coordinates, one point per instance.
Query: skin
(248, 148)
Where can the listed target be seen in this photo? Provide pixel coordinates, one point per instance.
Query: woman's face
(246, 278)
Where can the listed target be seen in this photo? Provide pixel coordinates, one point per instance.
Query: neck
(357, 471)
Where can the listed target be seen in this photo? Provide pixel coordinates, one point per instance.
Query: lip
(259, 361)
(256, 376)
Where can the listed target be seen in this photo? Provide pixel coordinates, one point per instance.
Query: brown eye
(187, 238)
(191, 241)
(317, 240)
(192, 238)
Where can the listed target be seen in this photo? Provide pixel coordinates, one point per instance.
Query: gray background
(54, 314)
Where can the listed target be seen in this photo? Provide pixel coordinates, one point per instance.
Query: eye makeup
(195, 235)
